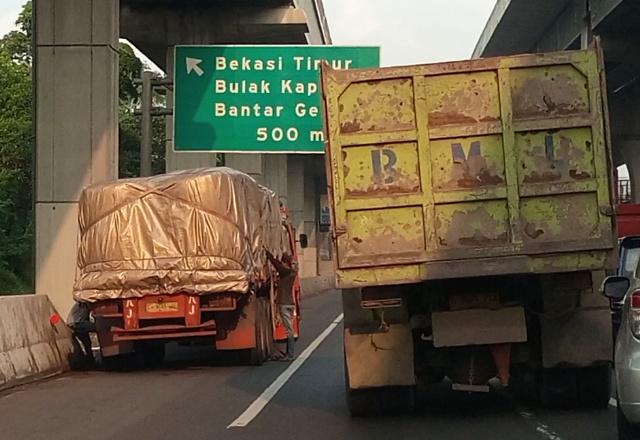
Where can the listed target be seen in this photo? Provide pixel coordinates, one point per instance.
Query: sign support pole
(147, 126)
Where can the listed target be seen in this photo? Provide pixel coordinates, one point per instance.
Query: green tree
(16, 145)
(16, 140)
(130, 123)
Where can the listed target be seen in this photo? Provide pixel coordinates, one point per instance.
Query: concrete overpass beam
(600, 9)
(317, 21)
(294, 17)
(232, 26)
(153, 27)
(622, 50)
(624, 111)
(572, 24)
(76, 73)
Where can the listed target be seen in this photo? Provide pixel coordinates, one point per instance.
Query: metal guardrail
(624, 191)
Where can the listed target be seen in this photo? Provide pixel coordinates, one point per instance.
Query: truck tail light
(634, 313)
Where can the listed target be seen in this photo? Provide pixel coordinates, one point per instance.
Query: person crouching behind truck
(79, 321)
(284, 297)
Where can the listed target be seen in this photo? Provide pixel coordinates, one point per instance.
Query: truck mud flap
(378, 344)
(575, 325)
(580, 339)
(380, 359)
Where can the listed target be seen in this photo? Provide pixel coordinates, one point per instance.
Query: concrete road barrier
(32, 346)
(313, 286)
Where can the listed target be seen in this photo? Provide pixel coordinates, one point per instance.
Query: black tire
(594, 387)
(270, 347)
(626, 431)
(119, 363)
(557, 388)
(383, 401)
(359, 403)
(572, 388)
(256, 356)
(152, 353)
(111, 363)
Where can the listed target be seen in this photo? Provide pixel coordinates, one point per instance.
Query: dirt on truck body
(472, 216)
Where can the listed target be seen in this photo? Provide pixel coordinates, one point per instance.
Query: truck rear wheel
(594, 387)
(264, 335)
(569, 388)
(111, 363)
(152, 353)
(380, 401)
(557, 388)
(121, 362)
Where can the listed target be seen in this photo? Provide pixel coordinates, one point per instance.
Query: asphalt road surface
(196, 397)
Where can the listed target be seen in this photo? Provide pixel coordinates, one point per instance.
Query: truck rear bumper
(164, 331)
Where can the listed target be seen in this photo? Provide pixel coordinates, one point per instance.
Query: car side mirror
(615, 287)
(304, 241)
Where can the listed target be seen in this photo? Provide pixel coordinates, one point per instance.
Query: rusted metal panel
(555, 156)
(468, 163)
(374, 236)
(549, 92)
(467, 98)
(476, 224)
(384, 170)
(494, 160)
(393, 100)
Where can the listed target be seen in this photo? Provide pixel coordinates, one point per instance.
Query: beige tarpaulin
(194, 231)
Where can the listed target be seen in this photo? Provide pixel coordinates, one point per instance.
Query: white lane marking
(613, 402)
(541, 428)
(258, 405)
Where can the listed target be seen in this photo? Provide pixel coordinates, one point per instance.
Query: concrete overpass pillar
(76, 72)
(252, 164)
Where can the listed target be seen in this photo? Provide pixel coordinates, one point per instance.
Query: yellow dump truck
(472, 218)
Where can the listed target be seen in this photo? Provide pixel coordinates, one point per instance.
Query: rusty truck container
(481, 167)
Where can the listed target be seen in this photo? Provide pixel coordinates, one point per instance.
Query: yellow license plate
(479, 301)
(162, 307)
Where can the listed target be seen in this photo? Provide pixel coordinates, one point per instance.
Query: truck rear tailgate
(478, 167)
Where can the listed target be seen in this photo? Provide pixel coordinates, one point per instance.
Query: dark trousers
(82, 332)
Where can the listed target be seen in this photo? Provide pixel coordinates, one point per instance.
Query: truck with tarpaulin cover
(180, 257)
(472, 215)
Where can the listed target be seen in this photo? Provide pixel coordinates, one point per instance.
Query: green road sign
(255, 99)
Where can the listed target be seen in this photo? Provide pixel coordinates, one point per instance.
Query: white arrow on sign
(193, 65)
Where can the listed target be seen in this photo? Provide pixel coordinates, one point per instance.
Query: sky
(408, 31)
(9, 10)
